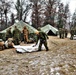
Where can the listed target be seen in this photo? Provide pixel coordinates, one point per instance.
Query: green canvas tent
(20, 26)
(50, 30)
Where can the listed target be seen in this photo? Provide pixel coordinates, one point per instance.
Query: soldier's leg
(40, 45)
(18, 40)
(71, 37)
(45, 44)
(65, 35)
(24, 38)
(60, 35)
(21, 37)
(15, 41)
(27, 37)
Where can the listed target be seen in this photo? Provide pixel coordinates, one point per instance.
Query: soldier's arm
(46, 35)
(13, 33)
(36, 41)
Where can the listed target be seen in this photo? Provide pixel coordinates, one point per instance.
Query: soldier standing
(66, 33)
(60, 32)
(75, 31)
(16, 35)
(25, 33)
(63, 30)
(43, 40)
(72, 33)
(8, 34)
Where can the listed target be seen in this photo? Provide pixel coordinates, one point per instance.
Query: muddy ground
(59, 60)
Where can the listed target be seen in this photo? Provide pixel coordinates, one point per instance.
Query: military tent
(50, 30)
(20, 26)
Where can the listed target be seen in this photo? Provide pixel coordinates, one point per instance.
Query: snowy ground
(59, 60)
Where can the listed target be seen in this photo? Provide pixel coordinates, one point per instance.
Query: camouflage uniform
(72, 31)
(25, 33)
(63, 31)
(8, 34)
(75, 31)
(66, 32)
(16, 35)
(60, 32)
(43, 40)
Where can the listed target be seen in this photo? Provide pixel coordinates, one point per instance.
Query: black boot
(47, 49)
(39, 50)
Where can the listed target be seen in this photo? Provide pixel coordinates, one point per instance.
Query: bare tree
(67, 15)
(61, 19)
(73, 25)
(38, 13)
(51, 9)
(22, 8)
(35, 15)
(63, 16)
(12, 19)
(4, 10)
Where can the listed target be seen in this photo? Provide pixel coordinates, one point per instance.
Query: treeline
(41, 12)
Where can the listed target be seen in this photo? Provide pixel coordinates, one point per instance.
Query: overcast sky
(72, 4)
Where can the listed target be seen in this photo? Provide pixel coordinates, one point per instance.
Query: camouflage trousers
(40, 45)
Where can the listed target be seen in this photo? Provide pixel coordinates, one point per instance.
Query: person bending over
(43, 40)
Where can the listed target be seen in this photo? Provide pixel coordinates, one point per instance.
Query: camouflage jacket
(42, 37)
